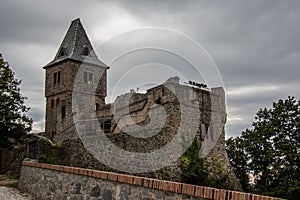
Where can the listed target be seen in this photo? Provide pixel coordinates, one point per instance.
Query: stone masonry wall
(210, 107)
(76, 155)
(181, 104)
(61, 182)
(11, 160)
(59, 94)
(139, 108)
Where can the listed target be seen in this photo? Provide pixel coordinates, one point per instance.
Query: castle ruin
(77, 64)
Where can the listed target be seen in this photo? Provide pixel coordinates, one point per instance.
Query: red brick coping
(179, 188)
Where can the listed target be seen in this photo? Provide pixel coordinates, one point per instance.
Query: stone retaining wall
(47, 181)
(11, 160)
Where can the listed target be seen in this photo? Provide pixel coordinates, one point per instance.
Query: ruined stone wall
(179, 104)
(75, 154)
(133, 109)
(11, 160)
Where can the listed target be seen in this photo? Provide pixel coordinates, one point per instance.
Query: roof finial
(76, 46)
(77, 19)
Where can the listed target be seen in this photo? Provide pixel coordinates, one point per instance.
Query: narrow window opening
(57, 102)
(52, 103)
(204, 131)
(85, 77)
(62, 52)
(213, 134)
(106, 126)
(53, 133)
(58, 77)
(63, 112)
(54, 78)
(208, 130)
(96, 106)
(85, 52)
(88, 77)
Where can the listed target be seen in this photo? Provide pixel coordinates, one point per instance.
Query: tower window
(57, 102)
(96, 106)
(56, 77)
(204, 131)
(85, 51)
(53, 133)
(106, 126)
(88, 77)
(52, 103)
(63, 112)
(62, 52)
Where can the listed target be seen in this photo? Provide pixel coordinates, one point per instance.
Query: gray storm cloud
(254, 43)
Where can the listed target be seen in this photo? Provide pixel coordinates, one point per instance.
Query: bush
(51, 153)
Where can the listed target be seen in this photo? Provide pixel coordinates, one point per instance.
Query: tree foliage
(14, 124)
(200, 171)
(238, 160)
(270, 151)
(192, 165)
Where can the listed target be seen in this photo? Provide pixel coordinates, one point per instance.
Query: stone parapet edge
(168, 186)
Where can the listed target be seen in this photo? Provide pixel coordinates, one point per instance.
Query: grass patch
(13, 176)
(13, 185)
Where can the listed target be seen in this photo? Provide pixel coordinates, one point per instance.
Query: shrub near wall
(52, 153)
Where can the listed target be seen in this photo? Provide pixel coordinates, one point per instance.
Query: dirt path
(10, 193)
(7, 181)
(7, 193)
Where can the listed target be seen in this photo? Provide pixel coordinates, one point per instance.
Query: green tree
(271, 150)
(238, 160)
(14, 124)
(192, 165)
(200, 171)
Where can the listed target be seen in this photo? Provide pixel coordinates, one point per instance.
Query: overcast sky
(255, 44)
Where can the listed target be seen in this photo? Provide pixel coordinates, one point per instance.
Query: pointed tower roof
(76, 46)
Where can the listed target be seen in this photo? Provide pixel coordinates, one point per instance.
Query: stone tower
(74, 53)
